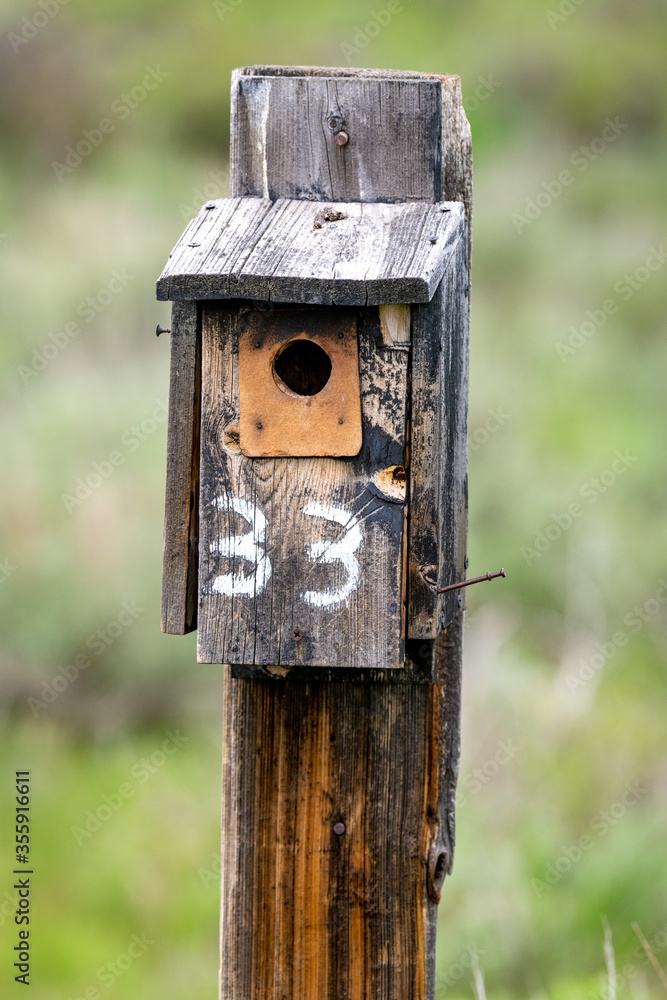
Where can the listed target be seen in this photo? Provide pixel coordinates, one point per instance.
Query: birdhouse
(322, 350)
(316, 508)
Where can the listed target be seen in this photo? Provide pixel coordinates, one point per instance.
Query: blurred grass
(550, 92)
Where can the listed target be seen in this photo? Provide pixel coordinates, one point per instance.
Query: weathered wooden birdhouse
(316, 501)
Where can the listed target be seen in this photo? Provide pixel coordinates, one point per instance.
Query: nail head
(339, 829)
(342, 138)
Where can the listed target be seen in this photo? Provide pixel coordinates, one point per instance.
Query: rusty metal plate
(299, 388)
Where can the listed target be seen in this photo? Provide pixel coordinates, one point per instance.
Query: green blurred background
(563, 790)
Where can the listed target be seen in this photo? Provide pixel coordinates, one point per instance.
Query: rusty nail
(297, 634)
(468, 583)
(339, 829)
(161, 329)
(342, 138)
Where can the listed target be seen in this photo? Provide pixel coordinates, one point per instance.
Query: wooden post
(338, 794)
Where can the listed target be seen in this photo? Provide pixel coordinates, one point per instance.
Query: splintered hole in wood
(302, 368)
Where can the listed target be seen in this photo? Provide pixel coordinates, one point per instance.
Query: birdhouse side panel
(438, 451)
(301, 559)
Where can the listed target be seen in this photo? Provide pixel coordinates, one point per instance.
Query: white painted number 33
(251, 549)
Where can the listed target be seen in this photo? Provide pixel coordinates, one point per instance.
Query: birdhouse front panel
(301, 556)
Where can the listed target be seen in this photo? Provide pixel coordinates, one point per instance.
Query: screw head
(297, 634)
(341, 138)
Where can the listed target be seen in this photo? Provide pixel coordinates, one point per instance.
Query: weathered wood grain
(313, 252)
(310, 914)
(181, 522)
(453, 141)
(283, 138)
(273, 602)
(438, 451)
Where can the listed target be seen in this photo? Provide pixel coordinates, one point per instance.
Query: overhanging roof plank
(354, 253)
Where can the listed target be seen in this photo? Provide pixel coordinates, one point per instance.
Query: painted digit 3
(331, 552)
(249, 547)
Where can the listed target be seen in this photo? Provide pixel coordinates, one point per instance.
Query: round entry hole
(302, 368)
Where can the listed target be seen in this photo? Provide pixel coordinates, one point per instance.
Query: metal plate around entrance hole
(293, 399)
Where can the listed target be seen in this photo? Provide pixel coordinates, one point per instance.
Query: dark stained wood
(392, 155)
(438, 451)
(181, 521)
(251, 605)
(341, 253)
(309, 914)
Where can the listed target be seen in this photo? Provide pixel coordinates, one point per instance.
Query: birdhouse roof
(324, 253)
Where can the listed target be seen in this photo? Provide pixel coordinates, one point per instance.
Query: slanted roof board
(354, 253)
